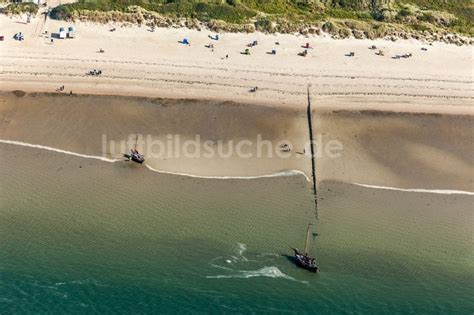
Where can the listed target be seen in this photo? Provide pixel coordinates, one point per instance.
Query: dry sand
(144, 63)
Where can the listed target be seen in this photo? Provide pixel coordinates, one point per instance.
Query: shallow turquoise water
(81, 236)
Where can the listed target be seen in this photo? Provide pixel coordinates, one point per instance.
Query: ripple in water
(240, 259)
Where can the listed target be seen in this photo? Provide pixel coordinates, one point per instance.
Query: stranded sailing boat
(134, 155)
(302, 259)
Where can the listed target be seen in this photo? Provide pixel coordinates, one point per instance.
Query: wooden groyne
(313, 161)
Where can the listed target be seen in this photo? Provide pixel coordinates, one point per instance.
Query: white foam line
(43, 147)
(279, 174)
(430, 191)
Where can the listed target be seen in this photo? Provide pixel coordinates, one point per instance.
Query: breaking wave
(269, 272)
(278, 174)
(239, 258)
(101, 158)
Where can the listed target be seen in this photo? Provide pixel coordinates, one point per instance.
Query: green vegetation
(202, 10)
(447, 15)
(19, 8)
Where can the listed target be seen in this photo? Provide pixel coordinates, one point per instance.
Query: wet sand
(420, 150)
(428, 150)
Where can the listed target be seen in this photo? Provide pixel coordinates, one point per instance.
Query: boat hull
(305, 261)
(134, 158)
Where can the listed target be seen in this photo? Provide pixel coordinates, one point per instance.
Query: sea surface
(87, 236)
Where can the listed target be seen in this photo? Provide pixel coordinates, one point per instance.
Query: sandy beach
(434, 88)
(140, 62)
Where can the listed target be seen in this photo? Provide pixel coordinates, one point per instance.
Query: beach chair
(71, 32)
(62, 33)
(19, 36)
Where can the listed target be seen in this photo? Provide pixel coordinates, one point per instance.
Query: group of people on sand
(211, 45)
(407, 55)
(252, 44)
(95, 72)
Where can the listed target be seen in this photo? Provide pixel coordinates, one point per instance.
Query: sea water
(88, 236)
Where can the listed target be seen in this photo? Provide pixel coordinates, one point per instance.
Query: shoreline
(279, 174)
(116, 215)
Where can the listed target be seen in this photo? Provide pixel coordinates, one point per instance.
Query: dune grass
(19, 8)
(456, 16)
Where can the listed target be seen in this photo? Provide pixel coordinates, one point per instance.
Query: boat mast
(136, 141)
(306, 240)
(313, 162)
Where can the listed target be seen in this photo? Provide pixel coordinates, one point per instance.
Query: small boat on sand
(134, 155)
